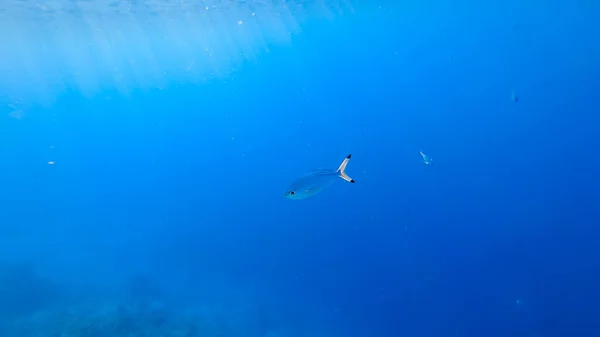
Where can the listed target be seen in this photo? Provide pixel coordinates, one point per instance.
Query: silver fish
(513, 96)
(316, 181)
(426, 159)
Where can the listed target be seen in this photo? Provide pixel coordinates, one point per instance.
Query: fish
(513, 96)
(426, 159)
(316, 181)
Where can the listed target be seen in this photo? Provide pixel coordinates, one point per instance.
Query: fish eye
(292, 192)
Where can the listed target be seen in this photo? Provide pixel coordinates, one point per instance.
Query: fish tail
(342, 170)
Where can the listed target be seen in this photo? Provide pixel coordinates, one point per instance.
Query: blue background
(182, 182)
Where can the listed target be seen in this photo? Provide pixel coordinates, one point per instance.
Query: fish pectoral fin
(342, 170)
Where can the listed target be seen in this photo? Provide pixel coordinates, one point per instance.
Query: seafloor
(31, 306)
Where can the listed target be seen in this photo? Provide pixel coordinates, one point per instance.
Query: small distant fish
(513, 96)
(316, 181)
(426, 159)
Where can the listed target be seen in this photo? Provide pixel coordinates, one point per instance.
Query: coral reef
(153, 320)
(31, 306)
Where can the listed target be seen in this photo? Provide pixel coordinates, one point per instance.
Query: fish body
(426, 159)
(513, 96)
(316, 181)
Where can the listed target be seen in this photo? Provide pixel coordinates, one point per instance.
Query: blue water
(145, 149)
